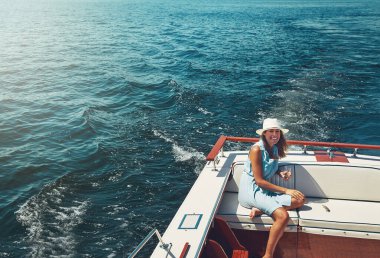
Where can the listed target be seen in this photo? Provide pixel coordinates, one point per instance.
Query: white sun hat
(271, 123)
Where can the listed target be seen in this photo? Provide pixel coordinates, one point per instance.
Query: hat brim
(260, 131)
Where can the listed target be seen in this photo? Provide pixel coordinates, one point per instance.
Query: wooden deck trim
(337, 156)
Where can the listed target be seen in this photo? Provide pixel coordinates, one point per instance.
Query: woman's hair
(282, 146)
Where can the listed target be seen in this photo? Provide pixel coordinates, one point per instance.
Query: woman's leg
(295, 203)
(254, 212)
(280, 217)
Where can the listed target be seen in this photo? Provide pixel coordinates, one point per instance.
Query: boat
(341, 217)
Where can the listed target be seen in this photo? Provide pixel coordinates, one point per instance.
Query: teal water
(108, 108)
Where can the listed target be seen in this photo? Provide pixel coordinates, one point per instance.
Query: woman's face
(272, 136)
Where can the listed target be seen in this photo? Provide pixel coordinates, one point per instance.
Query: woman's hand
(295, 194)
(286, 174)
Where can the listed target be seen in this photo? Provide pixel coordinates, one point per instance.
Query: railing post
(214, 162)
(141, 245)
(163, 245)
(304, 149)
(355, 152)
(215, 150)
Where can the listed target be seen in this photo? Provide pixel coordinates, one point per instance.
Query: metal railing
(222, 139)
(146, 239)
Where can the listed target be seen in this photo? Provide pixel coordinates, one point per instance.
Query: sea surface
(109, 107)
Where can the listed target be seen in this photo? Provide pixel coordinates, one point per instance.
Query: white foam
(50, 225)
(182, 153)
(115, 209)
(111, 255)
(204, 111)
(115, 177)
(162, 136)
(297, 107)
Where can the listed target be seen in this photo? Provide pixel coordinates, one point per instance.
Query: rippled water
(108, 108)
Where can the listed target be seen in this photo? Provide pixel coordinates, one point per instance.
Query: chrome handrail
(222, 139)
(142, 243)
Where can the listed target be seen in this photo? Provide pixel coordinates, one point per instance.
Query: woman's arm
(255, 157)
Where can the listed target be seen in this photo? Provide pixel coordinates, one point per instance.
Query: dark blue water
(108, 108)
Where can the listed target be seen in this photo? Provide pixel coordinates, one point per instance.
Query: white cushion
(342, 200)
(340, 214)
(338, 182)
(234, 180)
(233, 212)
(238, 168)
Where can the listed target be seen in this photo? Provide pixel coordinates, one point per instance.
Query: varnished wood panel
(255, 242)
(316, 246)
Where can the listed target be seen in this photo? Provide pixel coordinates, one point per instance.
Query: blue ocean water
(108, 108)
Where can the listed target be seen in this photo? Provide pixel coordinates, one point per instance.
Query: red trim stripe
(185, 250)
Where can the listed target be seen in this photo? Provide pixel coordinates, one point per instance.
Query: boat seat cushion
(340, 215)
(323, 181)
(338, 182)
(346, 200)
(231, 211)
(238, 168)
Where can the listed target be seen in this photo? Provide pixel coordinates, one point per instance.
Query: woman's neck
(268, 147)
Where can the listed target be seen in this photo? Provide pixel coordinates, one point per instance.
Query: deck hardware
(149, 236)
(304, 149)
(221, 152)
(326, 208)
(355, 152)
(185, 250)
(330, 153)
(215, 161)
(190, 221)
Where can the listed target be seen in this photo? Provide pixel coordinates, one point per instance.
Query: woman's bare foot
(254, 212)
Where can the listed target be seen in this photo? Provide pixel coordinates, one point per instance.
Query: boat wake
(50, 219)
(300, 109)
(182, 154)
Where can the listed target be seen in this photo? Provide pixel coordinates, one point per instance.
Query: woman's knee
(281, 214)
(296, 203)
(300, 202)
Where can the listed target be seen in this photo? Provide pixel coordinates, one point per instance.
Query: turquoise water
(108, 108)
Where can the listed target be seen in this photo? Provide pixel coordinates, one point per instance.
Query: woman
(257, 193)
